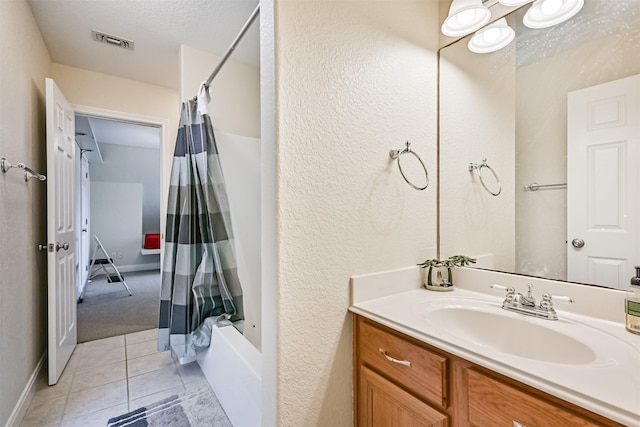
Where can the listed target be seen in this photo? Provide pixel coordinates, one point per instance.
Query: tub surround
(609, 386)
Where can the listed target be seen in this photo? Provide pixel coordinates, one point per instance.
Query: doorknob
(577, 243)
(64, 246)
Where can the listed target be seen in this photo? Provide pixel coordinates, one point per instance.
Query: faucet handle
(548, 300)
(563, 299)
(510, 290)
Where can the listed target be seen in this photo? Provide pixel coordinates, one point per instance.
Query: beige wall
(477, 120)
(23, 280)
(541, 155)
(353, 80)
(235, 101)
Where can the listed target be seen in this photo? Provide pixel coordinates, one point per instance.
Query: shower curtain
(200, 285)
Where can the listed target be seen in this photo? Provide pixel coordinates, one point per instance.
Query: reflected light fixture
(465, 17)
(546, 13)
(492, 37)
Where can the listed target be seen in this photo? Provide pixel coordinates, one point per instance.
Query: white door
(84, 222)
(603, 191)
(61, 149)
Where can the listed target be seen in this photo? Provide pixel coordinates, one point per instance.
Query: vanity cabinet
(400, 381)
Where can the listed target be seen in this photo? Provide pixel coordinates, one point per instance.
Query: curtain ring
(479, 167)
(396, 153)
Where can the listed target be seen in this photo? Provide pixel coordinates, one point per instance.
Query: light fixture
(492, 37)
(546, 13)
(465, 17)
(514, 3)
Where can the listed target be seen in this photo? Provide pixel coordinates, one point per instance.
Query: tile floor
(110, 377)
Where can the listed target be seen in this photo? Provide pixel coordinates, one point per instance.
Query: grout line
(73, 376)
(126, 373)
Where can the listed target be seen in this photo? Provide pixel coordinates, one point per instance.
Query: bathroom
(342, 83)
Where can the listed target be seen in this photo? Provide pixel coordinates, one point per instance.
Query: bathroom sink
(515, 335)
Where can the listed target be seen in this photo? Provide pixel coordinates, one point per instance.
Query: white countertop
(609, 385)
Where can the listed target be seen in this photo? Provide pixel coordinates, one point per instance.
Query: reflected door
(603, 161)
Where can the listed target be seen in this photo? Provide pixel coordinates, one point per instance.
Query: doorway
(119, 211)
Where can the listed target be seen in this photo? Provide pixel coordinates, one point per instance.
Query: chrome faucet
(526, 304)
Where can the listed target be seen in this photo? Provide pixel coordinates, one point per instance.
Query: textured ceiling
(157, 27)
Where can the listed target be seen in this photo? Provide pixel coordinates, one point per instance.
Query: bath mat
(199, 408)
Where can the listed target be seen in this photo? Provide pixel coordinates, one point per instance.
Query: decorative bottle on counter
(632, 304)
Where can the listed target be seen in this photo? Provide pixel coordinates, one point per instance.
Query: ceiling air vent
(112, 40)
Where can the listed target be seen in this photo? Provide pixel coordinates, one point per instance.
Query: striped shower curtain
(199, 275)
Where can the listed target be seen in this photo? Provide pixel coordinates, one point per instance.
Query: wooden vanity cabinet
(400, 381)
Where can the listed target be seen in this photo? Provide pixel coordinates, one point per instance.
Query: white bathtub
(233, 368)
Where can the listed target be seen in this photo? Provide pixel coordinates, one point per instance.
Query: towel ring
(476, 166)
(396, 153)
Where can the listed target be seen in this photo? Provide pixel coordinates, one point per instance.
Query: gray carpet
(107, 309)
(199, 408)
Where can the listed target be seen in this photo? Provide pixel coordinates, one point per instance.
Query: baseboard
(139, 267)
(27, 394)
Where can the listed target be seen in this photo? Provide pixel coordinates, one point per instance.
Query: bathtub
(233, 368)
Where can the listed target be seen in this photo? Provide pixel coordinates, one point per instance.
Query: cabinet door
(383, 404)
(494, 403)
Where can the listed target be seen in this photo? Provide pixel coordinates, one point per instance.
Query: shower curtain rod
(226, 56)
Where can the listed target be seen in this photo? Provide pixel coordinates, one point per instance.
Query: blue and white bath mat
(199, 408)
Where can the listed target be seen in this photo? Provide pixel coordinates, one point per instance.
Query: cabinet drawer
(415, 367)
(494, 403)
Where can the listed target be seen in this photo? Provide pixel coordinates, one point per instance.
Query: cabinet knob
(391, 359)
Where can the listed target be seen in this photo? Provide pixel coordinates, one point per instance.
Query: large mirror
(558, 112)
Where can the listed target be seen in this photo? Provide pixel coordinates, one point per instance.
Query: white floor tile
(155, 397)
(190, 372)
(142, 336)
(45, 391)
(95, 419)
(94, 385)
(152, 362)
(153, 382)
(98, 375)
(96, 398)
(44, 412)
(105, 343)
(142, 349)
(91, 358)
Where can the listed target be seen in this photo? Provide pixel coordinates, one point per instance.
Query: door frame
(139, 120)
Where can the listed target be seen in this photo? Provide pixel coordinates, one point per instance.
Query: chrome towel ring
(479, 167)
(396, 153)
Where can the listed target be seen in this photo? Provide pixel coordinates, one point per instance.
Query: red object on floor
(152, 241)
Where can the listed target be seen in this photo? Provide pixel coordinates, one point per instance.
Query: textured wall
(23, 270)
(353, 79)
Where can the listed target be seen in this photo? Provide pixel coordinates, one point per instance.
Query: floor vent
(112, 40)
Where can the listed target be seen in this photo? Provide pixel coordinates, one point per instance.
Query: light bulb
(465, 16)
(491, 35)
(549, 7)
